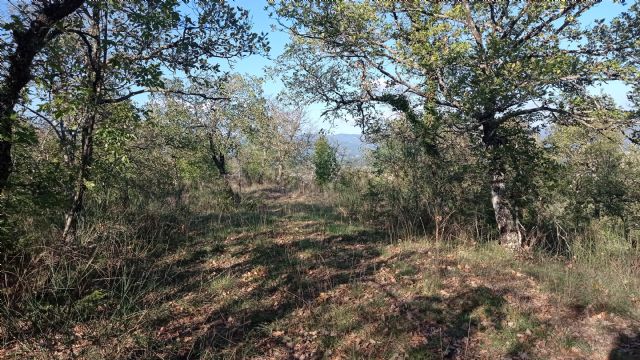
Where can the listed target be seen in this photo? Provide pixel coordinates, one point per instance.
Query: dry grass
(288, 276)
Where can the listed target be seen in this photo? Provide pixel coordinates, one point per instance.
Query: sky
(255, 64)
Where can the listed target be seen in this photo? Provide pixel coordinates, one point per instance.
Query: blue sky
(255, 64)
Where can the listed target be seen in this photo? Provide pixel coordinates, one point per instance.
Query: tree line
(455, 94)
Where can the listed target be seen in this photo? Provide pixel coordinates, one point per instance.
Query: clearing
(288, 277)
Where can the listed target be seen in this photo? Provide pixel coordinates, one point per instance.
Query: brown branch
(29, 41)
(473, 27)
(46, 119)
(160, 91)
(521, 112)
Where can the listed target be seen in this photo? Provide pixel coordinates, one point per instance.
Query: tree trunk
(86, 158)
(88, 127)
(220, 163)
(29, 42)
(507, 226)
(6, 134)
(510, 236)
(232, 194)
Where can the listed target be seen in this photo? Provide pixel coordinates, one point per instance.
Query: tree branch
(160, 91)
(46, 119)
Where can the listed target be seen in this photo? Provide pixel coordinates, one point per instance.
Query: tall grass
(600, 274)
(107, 273)
(595, 268)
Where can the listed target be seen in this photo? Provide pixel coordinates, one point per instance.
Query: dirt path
(308, 284)
(289, 278)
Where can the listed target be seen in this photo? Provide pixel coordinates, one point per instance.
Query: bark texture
(507, 226)
(219, 160)
(86, 158)
(508, 229)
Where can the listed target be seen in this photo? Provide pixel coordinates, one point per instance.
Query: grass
(289, 277)
(587, 283)
(589, 288)
(572, 342)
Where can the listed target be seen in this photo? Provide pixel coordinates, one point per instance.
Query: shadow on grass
(293, 275)
(626, 347)
(447, 324)
(289, 282)
(279, 260)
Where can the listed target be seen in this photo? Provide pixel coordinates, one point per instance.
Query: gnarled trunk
(507, 226)
(510, 235)
(220, 162)
(29, 42)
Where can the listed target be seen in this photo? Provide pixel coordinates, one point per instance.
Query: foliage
(324, 160)
(189, 192)
(596, 181)
(449, 65)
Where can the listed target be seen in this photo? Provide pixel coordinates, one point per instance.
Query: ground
(291, 277)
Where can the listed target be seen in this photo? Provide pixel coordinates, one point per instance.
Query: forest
(173, 184)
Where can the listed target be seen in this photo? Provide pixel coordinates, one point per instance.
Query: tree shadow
(278, 272)
(291, 282)
(448, 323)
(626, 347)
(350, 258)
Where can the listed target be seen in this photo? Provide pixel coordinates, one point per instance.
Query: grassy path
(289, 278)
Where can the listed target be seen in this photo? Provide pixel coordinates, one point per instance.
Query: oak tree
(22, 38)
(478, 68)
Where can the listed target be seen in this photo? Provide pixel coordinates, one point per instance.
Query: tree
(621, 39)
(324, 160)
(32, 28)
(112, 51)
(275, 143)
(415, 188)
(598, 177)
(284, 136)
(219, 125)
(488, 70)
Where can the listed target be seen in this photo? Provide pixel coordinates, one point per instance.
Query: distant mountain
(350, 146)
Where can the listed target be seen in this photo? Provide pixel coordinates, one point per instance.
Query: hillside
(350, 146)
(169, 188)
(290, 277)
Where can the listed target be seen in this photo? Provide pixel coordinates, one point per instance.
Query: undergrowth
(286, 274)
